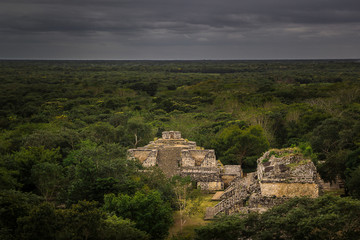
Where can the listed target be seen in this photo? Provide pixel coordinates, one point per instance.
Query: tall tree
(234, 144)
(146, 209)
(48, 178)
(188, 199)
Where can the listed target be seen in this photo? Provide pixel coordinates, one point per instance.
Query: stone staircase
(168, 160)
(233, 197)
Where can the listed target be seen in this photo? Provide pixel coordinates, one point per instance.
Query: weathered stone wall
(286, 173)
(151, 160)
(207, 178)
(281, 175)
(289, 189)
(200, 174)
(292, 167)
(209, 159)
(146, 156)
(198, 156)
(173, 142)
(232, 170)
(203, 158)
(186, 159)
(227, 179)
(210, 186)
(229, 173)
(171, 135)
(201, 166)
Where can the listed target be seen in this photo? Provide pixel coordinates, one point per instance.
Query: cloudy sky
(179, 29)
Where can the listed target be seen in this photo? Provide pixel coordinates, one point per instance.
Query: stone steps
(168, 160)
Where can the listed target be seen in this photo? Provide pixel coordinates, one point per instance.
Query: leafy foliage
(83, 220)
(148, 210)
(301, 218)
(65, 127)
(239, 145)
(188, 199)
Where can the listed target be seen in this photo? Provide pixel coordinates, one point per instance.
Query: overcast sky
(179, 29)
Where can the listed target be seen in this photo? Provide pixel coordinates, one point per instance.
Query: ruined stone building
(177, 156)
(281, 175)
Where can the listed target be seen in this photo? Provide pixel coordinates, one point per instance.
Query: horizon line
(255, 59)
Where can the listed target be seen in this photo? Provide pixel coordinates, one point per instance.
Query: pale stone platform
(217, 196)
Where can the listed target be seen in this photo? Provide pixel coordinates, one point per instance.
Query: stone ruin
(281, 175)
(178, 156)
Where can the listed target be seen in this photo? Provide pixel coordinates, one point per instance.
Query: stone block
(146, 156)
(289, 189)
(232, 170)
(151, 160)
(209, 159)
(211, 186)
(171, 135)
(186, 159)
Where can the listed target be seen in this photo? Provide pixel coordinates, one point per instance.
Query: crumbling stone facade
(281, 175)
(229, 173)
(177, 156)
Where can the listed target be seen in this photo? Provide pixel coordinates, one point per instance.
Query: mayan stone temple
(281, 174)
(178, 156)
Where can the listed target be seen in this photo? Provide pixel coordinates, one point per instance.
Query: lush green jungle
(66, 126)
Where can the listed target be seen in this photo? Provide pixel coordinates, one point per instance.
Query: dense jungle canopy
(65, 127)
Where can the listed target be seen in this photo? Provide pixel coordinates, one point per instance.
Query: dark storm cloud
(174, 28)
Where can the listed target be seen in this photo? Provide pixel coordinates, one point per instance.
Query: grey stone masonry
(279, 166)
(192, 158)
(178, 156)
(281, 174)
(232, 170)
(151, 159)
(171, 135)
(202, 174)
(147, 157)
